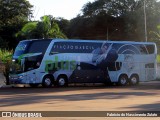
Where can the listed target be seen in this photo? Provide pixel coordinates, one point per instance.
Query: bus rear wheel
(134, 80)
(123, 80)
(62, 81)
(47, 81)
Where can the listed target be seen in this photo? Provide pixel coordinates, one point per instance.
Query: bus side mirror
(23, 63)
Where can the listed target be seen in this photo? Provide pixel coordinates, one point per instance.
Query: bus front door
(31, 77)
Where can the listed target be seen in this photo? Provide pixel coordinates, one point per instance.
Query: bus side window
(150, 49)
(143, 49)
(149, 65)
(38, 47)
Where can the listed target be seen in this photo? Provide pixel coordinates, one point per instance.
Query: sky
(67, 9)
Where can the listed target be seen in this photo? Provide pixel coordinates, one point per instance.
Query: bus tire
(34, 85)
(62, 81)
(134, 79)
(123, 80)
(47, 81)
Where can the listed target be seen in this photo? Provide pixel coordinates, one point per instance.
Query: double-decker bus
(62, 62)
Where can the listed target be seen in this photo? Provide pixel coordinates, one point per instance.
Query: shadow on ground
(22, 96)
(147, 107)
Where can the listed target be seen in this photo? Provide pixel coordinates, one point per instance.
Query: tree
(157, 33)
(156, 37)
(114, 8)
(3, 44)
(29, 30)
(63, 24)
(118, 19)
(14, 11)
(46, 28)
(13, 15)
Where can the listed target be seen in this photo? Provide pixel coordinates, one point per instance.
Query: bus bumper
(16, 79)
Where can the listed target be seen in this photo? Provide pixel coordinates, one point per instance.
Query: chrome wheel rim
(47, 82)
(61, 81)
(133, 80)
(123, 80)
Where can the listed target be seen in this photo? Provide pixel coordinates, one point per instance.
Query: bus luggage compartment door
(87, 73)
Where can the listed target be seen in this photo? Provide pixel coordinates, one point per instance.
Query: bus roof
(35, 40)
(81, 40)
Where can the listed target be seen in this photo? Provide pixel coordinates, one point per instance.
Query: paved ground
(158, 72)
(2, 79)
(144, 97)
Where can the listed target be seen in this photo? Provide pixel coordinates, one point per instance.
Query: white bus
(86, 61)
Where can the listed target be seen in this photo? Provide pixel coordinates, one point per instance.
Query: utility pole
(145, 21)
(107, 33)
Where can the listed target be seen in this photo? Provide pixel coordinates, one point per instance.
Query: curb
(11, 86)
(5, 86)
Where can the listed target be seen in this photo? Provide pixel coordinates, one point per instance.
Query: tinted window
(127, 48)
(21, 48)
(74, 47)
(150, 49)
(38, 46)
(130, 48)
(150, 65)
(142, 49)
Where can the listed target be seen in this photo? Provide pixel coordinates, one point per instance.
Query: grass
(158, 58)
(5, 55)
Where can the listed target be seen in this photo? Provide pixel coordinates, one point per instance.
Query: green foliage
(6, 58)
(46, 28)
(158, 58)
(29, 30)
(14, 11)
(63, 24)
(5, 55)
(3, 43)
(121, 19)
(156, 33)
(13, 15)
(156, 37)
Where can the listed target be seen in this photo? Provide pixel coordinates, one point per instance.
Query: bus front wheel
(47, 81)
(123, 80)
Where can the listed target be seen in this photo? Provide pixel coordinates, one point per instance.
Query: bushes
(3, 43)
(158, 58)
(6, 59)
(5, 55)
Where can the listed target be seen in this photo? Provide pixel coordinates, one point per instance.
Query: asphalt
(2, 80)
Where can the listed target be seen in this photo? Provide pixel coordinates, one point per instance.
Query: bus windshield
(31, 46)
(27, 63)
(21, 48)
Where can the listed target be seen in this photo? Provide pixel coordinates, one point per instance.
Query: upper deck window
(74, 47)
(39, 46)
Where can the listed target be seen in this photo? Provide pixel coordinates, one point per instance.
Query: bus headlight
(20, 77)
(13, 60)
